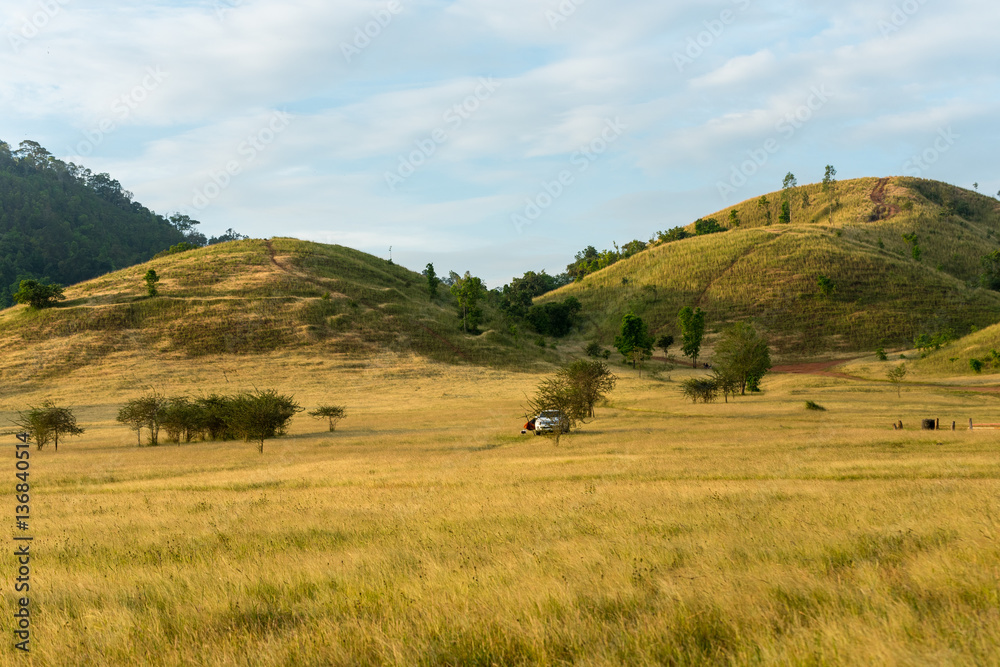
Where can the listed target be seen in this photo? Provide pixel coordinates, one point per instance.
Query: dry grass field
(427, 531)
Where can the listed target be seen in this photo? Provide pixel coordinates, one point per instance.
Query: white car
(550, 421)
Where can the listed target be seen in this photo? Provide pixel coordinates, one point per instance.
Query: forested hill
(61, 223)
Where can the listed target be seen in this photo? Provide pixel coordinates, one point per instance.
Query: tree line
(253, 416)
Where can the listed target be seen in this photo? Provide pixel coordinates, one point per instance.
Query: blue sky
(496, 136)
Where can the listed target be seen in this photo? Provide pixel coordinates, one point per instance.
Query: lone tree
(664, 342)
(692, 331)
(260, 415)
(332, 413)
(432, 280)
(742, 358)
(38, 295)
(703, 388)
(469, 290)
(788, 186)
(574, 390)
(48, 422)
(830, 188)
(634, 342)
(151, 279)
(896, 376)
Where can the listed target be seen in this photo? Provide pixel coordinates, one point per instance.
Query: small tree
(432, 280)
(260, 415)
(144, 412)
(469, 290)
(692, 331)
(764, 206)
(592, 380)
(734, 218)
(664, 342)
(47, 423)
(634, 342)
(896, 376)
(830, 187)
(826, 286)
(151, 279)
(38, 295)
(332, 413)
(785, 217)
(703, 388)
(742, 357)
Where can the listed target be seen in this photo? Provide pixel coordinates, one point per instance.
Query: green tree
(896, 376)
(38, 295)
(259, 415)
(470, 291)
(703, 226)
(734, 218)
(785, 217)
(830, 188)
(151, 279)
(692, 331)
(432, 280)
(664, 342)
(703, 388)
(634, 342)
(144, 412)
(592, 380)
(826, 286)
(47, 423)
(764, 206)
(332, 413)
(990, 276)
(789, 182)
(742, 356)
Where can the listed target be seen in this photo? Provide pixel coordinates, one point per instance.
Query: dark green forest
(61, 223)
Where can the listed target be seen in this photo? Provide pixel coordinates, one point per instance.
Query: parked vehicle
(550, 421)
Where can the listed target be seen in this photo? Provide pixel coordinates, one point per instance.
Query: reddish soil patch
(882, 211)
(815, 368)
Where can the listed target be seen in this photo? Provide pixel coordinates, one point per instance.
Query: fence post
(970, 423)
(953, 426)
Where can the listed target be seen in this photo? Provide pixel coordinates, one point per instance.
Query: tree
(734, 218)
(764, 206)
(181, 418)
(703, 388)
(38, 295)
(826, 286)
(469, 290)
(789, 182)
(554, 319)
(830, 187)
(742, 358)
(703, 226)
(227, 236)
(432, 280)
(144, 412)
(151, 279)
(592, 380)
(990, 277)
(664, 342)
(634, 342)
(896, 376)
(47, 423)
(692, 331)
(332, 413)
(260, 415)
(785, 217)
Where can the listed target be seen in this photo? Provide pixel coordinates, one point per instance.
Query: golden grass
(425, 530)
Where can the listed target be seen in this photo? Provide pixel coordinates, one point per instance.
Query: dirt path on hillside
(822, 369)
(882, 211)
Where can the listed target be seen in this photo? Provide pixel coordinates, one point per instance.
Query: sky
(496, 136)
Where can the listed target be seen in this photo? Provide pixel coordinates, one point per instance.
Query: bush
(594, 350)
(38, 295)
(332, 413)
(812, 405)
(976, 365)
(704, 389)
(881, 355)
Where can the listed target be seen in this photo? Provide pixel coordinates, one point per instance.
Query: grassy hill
(768, 271)
(250, 297)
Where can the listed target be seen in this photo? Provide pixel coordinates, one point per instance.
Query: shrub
(976, 365)
(332, 413)
(881, 355)
(705, 389)
(812, 405)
